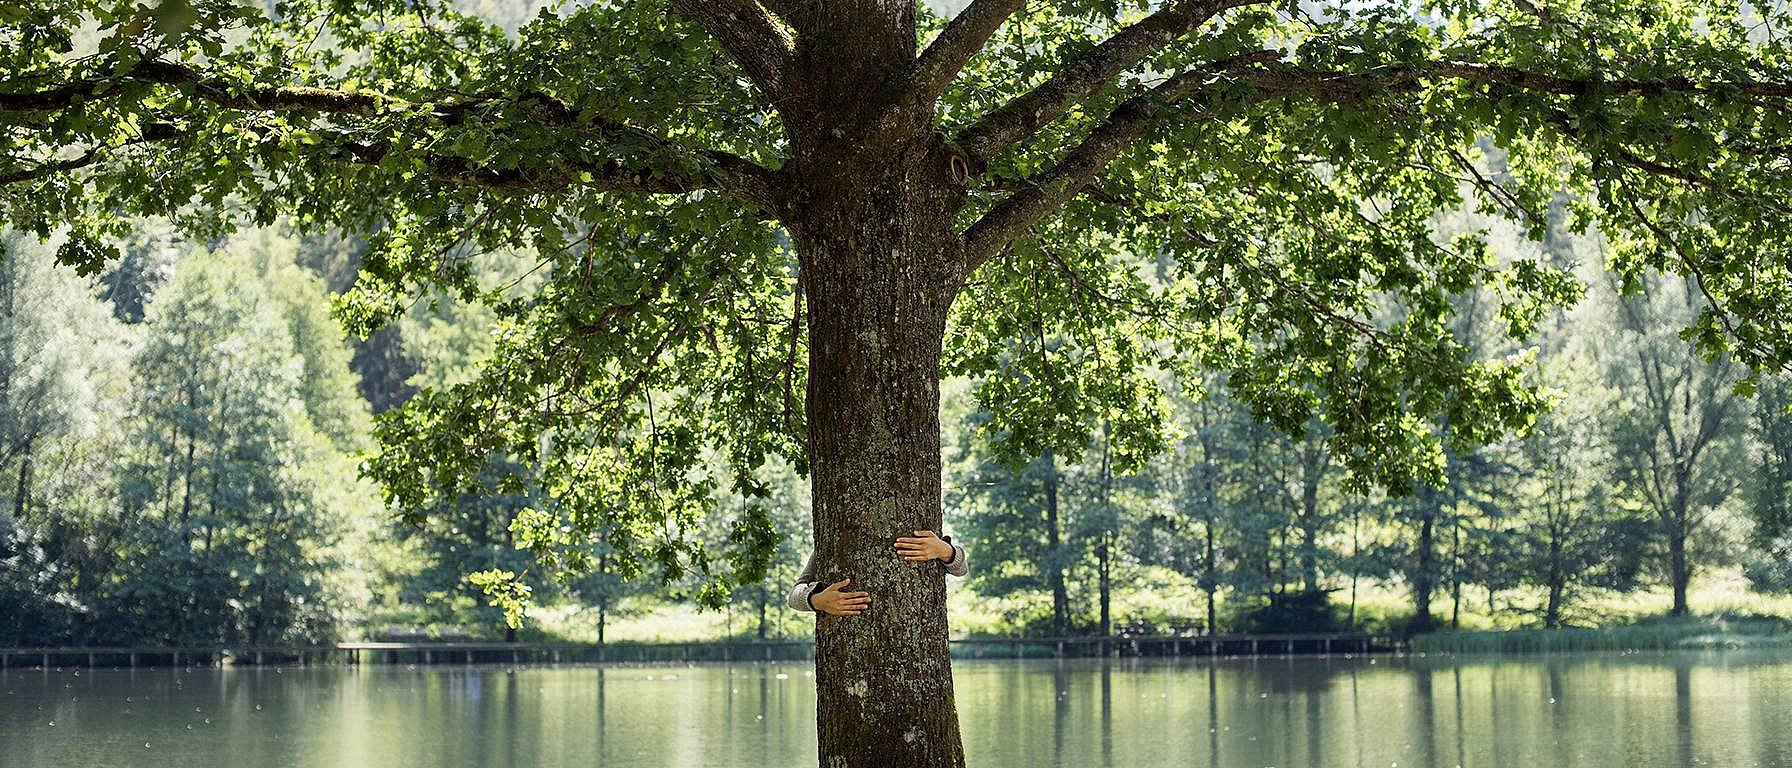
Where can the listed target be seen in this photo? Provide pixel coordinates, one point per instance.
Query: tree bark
(880, 269)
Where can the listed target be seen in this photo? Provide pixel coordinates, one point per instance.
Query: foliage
(1228, 206)
(1306, 611)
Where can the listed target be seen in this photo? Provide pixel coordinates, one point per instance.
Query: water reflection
(1595, 711)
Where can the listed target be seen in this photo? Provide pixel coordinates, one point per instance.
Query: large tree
(763, 222)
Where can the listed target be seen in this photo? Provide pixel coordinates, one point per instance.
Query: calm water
(1729, 710)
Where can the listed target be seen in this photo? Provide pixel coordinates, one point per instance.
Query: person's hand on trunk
(832, 601)
(924, 546)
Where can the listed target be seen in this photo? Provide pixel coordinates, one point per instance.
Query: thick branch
(956, 44)
(722, 171)
(1407, 77)
(216, 90)
(749, 33)
(1050, 189)
(1084, 75)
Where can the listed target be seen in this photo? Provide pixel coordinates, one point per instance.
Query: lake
(1719, 709)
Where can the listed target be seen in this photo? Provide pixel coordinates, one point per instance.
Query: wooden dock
(435, 653)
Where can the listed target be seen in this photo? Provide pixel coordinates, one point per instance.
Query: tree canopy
(1240, 186)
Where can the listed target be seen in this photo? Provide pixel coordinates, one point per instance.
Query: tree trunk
(1679, 572)
(880, 269)
(1209, 576)
(23, 492)
(1309, 536)
(1422, 580)
(1104, 569)
(1455, 576)
(1680, 577)
(762, 599)
(1356, 519)
(1552, 613)
(1103, 554)
(605, 585)
(1054, 568)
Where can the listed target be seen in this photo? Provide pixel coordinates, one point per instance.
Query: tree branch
(1048, 190)
(747, 31)
(256, 97)
(1700, 280)
(1083, 76)
(962, 38)
(722, 171)
(1053, 187)
(152, 133)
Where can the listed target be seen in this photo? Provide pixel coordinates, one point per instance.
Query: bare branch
(748, 32)
(1085, 75)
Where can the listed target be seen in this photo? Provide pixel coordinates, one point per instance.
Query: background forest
(179, 439)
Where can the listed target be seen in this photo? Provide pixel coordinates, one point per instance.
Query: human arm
(926, 545)
(830, 599)
(810, 595)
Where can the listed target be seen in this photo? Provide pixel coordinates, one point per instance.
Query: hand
(924, 546)
(830, 600)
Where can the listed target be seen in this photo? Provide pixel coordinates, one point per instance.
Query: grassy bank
(1726, 612)
(1662, 634)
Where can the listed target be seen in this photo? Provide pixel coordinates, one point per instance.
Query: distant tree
(1571, 534)
(232, 499)
(1018, 521)
(1768, 490)
(1187, 530)
(783, 510)
(1678, 440)
(64, 362)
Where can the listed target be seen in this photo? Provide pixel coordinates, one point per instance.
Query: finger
(916, 557)
(849, 613)
(904, 540)
(910, 547)
(837, 586)
(926, 534)
(850, 595)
